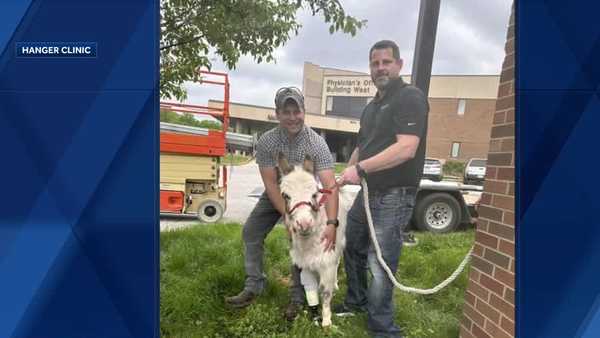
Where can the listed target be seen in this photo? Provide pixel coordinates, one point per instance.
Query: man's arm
(327, 178)
(269, 178)
(403, 150)
(354, 157)
(325, 172)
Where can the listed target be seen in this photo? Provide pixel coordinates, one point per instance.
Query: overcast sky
(470, 40)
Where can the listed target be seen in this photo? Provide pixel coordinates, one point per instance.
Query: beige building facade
(460, 117)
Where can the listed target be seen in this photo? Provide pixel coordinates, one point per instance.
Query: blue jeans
(391, 212)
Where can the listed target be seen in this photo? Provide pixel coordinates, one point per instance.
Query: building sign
(348, 86)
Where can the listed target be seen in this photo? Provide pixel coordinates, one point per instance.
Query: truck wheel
(437, 212)
(210, 211)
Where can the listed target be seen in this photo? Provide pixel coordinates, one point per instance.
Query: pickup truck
(443, 206)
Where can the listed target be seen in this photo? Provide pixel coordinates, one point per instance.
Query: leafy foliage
(231, 28)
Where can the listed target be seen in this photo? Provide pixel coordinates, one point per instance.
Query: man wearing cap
(296, 140)
(390, 155)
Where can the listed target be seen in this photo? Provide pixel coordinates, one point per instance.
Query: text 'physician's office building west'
(460, 116)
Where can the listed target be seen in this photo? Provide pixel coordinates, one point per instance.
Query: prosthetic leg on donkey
(311, 288)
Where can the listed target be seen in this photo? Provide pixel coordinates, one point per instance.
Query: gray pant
(261, 221)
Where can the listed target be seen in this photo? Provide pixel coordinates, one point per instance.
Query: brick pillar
(489, 309)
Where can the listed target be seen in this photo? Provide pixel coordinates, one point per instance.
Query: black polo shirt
(402, 110)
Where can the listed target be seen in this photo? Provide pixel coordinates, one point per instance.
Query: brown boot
(241, 300)
(292, 311)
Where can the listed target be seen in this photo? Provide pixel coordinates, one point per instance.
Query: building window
(461, 106)
(347, 106)
(328, 104)
(455, 149)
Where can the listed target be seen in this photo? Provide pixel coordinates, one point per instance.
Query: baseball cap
(287, 93)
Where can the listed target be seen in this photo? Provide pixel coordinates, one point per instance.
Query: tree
(208, 124)
(188, 119)
(231, 28)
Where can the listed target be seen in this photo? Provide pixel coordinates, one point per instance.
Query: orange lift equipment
(192, 179)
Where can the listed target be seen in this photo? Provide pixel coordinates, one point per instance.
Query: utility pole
(424, 46)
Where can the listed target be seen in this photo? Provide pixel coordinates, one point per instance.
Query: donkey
(306, 221)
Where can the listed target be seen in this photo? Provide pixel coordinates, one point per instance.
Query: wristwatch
(335, 222)
(360, 171)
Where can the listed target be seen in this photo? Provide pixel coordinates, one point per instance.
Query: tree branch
(181, 42)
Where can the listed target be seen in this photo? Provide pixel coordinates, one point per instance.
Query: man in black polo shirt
(390, 155)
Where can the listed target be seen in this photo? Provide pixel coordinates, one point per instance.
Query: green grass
(203, 264)
(339, 167)
(234, 159)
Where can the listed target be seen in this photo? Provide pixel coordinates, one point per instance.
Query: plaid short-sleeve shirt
(307, 142)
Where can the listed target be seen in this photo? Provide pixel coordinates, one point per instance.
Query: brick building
(489, 309)
(461, 111)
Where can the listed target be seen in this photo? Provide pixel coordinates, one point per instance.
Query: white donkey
(306, 219)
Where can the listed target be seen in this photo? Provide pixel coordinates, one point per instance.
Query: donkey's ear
(308, 164)
(283, 165)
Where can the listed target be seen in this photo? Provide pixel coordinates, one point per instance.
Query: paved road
(243, 181)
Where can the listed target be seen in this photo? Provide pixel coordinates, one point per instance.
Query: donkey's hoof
(326, 322)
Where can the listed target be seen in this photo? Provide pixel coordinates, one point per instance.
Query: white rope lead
(387, 269)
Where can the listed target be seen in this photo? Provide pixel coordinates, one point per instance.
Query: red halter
(314, 207)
